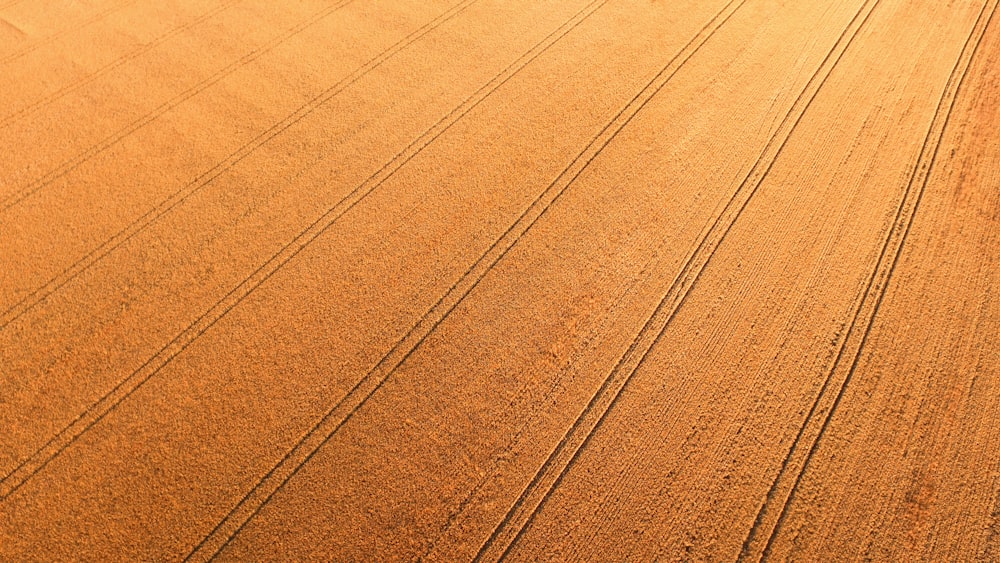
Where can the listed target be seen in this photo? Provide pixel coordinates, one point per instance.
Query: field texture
(481, 280)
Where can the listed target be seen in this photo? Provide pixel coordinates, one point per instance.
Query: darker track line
(530, 419)
(115, 138)
(875, 291)
(65, 31)
(135, 53)
(124, 388)
(129, 385)
(262, 492)
(165, 206)
(547, 478)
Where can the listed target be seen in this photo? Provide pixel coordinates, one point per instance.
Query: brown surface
(454, 280)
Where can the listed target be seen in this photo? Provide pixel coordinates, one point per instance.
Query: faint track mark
(165, 206)
(126, 387)
(65, 31)
(115, 138)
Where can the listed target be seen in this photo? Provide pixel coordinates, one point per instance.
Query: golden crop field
(482, 280)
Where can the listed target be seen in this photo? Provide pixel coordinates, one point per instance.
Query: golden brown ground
(453, 280)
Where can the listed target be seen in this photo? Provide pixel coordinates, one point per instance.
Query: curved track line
(115, 138)
(65, 31)
(355, 399)
(130, 56)
(870, 302)
(129, 385)
(551, 473)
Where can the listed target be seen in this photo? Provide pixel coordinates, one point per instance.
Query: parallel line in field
(6, 487)
(335, 418)
(65, 31)
(306, 447)
(338, 414)
(871, 298)
(141, 223)
(124, 388)
(529, 419)
(550, 474)
(132, 55)
(115, 138)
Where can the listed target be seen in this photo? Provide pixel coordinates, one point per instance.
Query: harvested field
(481, 280)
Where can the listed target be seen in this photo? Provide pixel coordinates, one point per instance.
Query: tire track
(65, 31)
(129, 385)
(337, 415)
(135, 53)
(551, 473)
(115, 138)
(832, 391)
(522, 431)
(264, 489)
(144, 221)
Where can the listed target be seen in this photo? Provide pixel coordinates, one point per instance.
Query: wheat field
(482, 280)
